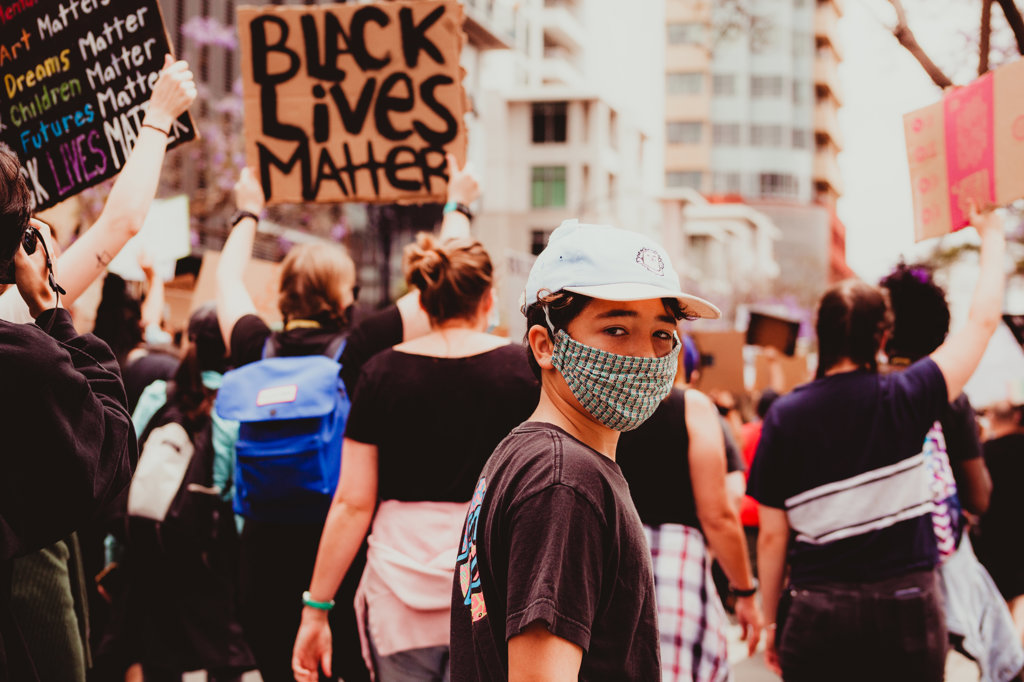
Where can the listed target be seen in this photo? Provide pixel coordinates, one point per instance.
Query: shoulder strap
(336, 347)
(269, 347)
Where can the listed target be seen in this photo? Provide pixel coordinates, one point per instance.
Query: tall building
(569, 126)
(752, 94)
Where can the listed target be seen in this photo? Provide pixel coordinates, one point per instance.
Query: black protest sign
(770, 330)
(77, 75)
(353, 102)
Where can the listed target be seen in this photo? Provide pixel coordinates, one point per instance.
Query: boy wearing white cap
(553, 579)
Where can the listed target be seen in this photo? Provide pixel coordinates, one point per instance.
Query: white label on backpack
(161, 469)
(277, 395)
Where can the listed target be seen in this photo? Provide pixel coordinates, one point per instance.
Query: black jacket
(68, 447)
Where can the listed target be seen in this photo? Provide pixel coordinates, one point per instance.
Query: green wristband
(307, 600)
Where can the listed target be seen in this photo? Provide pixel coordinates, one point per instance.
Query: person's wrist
(314, 615)
(243, 214)
(159, 117)
(459, 207)
(744, 592)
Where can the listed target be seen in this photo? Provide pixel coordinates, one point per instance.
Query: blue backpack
(291, 413)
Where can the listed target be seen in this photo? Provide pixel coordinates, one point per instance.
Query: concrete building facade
(752, 95)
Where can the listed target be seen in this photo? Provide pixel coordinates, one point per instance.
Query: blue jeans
(887, 630)
(430, 664)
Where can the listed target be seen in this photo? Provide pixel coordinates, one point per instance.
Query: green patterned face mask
(620, 391)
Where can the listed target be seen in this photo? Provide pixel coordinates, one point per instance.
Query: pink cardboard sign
(968, 146)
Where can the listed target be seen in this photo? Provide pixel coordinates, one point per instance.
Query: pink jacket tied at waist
(404, 598)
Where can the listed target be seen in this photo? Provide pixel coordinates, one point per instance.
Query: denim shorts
(891, 629)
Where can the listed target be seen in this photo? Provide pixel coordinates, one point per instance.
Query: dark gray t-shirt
(552, 535)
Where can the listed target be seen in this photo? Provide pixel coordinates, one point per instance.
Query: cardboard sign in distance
(721, 361)
(76, 77)
(262, 281)
(968, 146)
(794, 372)
(771, 330)
(353, 102)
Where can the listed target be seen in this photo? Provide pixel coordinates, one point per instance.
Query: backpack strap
(269, 347)
(336, 347)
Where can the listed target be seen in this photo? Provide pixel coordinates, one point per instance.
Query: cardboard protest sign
(262, 280)
(164, 236)
(77, 75)
(968, 146)
(771, 330)
(354, 102)
(794, 372)
(721, 361)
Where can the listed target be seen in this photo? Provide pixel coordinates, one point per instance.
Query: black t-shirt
(435, 421)
(373, 334)
(842, 455)
(552, 535)
(655, 459)
(144, 370)
(960, 431)
(999, 534)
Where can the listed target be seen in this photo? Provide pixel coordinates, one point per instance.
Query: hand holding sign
(248, 193)
(463, 187)
(173, 94)
(983, 221)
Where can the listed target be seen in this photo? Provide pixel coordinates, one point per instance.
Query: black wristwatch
(239, 216)
(744, 593)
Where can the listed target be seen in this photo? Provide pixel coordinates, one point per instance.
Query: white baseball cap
(601, 261)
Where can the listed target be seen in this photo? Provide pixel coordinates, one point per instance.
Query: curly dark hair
(921, 311)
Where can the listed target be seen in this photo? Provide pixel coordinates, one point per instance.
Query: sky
(881, 82)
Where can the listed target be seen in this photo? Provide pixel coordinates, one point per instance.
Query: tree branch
(906, 38)
(1014, 19)
(986, 35)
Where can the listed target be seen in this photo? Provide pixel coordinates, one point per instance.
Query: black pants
(276, 567)
(888, 630)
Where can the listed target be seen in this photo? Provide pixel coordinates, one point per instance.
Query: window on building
(685, 132)
(538, 240)
(803, 44)
(799, 92)
(684, 83)
(778, 184)
(547, 187)
(686, 33)
(724, 84)
(766, 86)
(727, 182)
(726, 133)
(549, 121)
(801, 138)
(766, 135)
(683, 179)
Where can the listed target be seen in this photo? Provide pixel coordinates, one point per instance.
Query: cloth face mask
(619, 391)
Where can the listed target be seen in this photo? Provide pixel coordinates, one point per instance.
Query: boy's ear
(541, 346)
